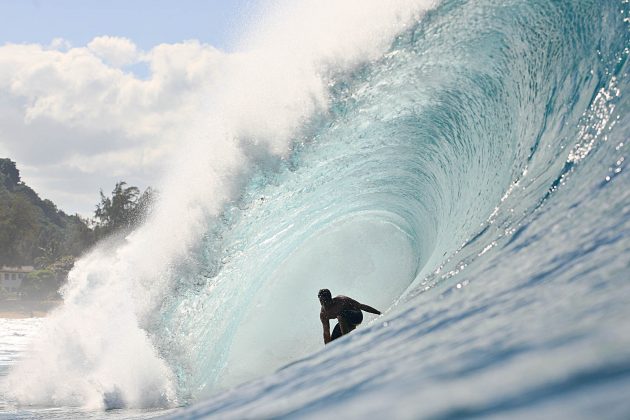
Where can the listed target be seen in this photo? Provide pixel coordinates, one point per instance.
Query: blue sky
(145, 22)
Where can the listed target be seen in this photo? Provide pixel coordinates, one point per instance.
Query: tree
(40, 284)
(78, 236)
(9, 174)
(62, 266)
(144, 205)
(115, 213)
(50, 246)
(123, 210)
(18, 230)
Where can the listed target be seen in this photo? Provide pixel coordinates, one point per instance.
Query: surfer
(346, 310)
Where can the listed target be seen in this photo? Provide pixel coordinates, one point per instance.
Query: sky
(93, 92)
(146, 22)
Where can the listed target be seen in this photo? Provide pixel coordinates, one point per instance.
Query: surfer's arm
(366, 308)
(369, 309)
(326, 325)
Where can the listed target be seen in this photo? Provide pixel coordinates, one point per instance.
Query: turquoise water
(481, 165)
(471, 183)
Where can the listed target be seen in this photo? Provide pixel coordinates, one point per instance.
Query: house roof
(21, 269)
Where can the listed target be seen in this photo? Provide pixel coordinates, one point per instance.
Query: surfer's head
(324, 296)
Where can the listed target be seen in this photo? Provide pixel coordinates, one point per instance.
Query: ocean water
(14, 340)
(459, 165)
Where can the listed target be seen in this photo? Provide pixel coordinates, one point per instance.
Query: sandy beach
(17, 309)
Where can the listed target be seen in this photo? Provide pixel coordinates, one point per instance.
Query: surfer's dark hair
(324, 293)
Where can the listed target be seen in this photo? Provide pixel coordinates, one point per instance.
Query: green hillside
(34, 231)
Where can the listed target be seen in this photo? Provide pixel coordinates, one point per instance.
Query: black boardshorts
(352, 317)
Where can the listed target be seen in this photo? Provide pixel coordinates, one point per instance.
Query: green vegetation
(124, 210)
(41, 285)
(35, 232)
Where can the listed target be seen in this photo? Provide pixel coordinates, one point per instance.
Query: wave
(334, 157)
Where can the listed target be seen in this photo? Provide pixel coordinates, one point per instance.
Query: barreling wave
(406, 164)
(426, 157)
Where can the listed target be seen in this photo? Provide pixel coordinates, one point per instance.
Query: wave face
(469, 181)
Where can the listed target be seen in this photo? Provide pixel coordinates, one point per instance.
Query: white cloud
(116, 51)
(77, 89)
(78, 111)
(60, 44)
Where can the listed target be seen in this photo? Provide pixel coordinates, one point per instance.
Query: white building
(11, 279)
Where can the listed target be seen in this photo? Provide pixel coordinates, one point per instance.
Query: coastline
(18, 309)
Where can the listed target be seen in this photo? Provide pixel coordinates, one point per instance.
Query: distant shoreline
(18, 309)
(22, 315)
